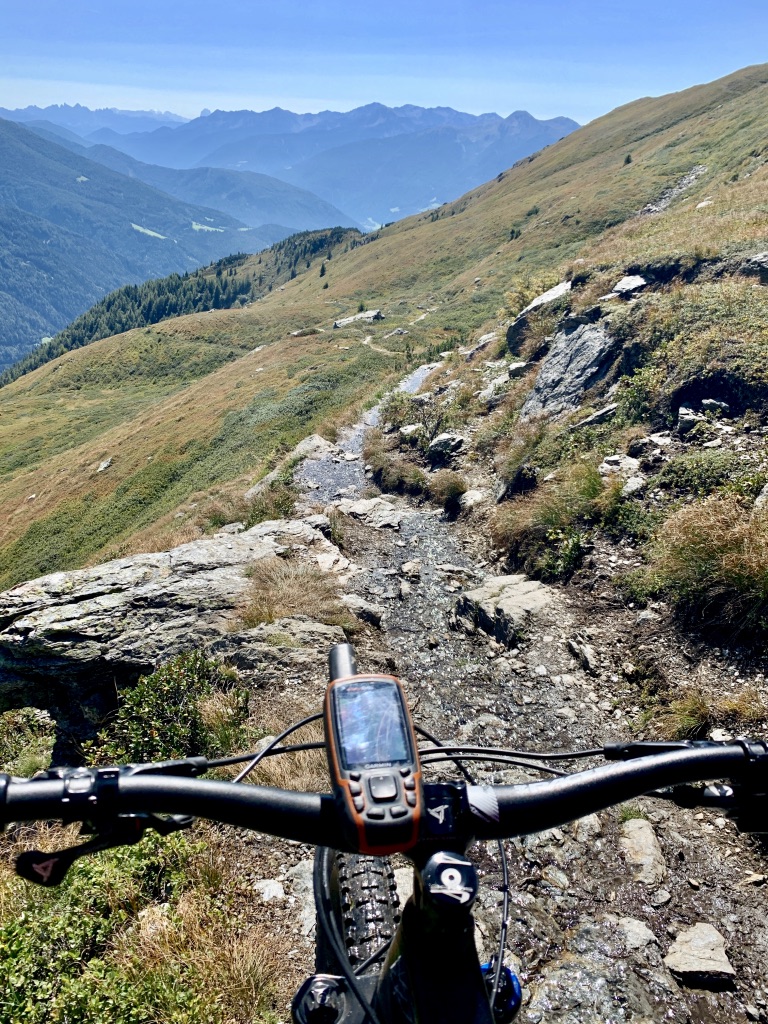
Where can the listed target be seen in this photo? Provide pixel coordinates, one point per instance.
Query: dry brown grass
(711, 558)
(239, 970)
(551, 507)
(305, 771)
(285, 587)
(695, 712)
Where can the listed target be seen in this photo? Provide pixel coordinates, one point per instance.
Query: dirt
(570, 887)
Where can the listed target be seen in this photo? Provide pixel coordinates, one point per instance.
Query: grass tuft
(286, 587)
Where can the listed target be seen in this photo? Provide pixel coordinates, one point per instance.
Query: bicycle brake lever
(715, 795)
(49, 869)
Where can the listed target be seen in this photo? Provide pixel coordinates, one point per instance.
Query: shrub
(695, 712)
(391, 470)
(130, 937)
(699, 472)
(164, 716)
(543, 531)
(446, 487)
(275, 502)
(711, 559)
(26, 741)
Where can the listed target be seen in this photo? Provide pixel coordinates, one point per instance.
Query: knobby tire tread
(367, 905)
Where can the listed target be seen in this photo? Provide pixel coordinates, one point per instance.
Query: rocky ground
(642, 913)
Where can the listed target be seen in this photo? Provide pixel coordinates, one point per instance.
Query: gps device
(374, 762)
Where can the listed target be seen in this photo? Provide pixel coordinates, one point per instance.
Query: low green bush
(164, 715)
(391, 470)
(546, 532)
(699, 472)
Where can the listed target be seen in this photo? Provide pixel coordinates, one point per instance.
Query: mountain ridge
(105, 228)
(442, 279)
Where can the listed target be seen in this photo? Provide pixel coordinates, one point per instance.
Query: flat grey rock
(642, 851)
(67, 640)
(637, 934)
(374, 512)
(363, 609)
(699, 951)
(630, 284)
(504, 605)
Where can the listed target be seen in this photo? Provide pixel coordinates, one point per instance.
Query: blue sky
(550, 57)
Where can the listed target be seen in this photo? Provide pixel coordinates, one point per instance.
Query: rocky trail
(643, 913)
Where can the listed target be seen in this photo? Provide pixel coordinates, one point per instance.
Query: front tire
(366, 907)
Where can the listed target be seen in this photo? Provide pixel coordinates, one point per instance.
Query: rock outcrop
(502, 606)
(69, 640)
(578, 359)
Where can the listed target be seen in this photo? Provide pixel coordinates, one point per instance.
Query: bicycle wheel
(365, 906)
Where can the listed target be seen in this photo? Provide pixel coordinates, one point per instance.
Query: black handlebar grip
(341, 662)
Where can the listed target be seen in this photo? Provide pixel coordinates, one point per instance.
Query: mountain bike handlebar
(466, 812)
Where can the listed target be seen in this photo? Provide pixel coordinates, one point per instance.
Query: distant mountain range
(94, 199)
(71, 230)
(376, 163)
(255, 199)
(82, 120)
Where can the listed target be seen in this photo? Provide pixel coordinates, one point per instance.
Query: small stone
(642, 851)
(472, 498)
(270, 890)
(637, 935)
(411, 430)
(687, 419)
(364, 610)
(104, 465)
(412, 569)
(628, 285)
(694, 883)
(753, 878)
(541, 670)
(699, 951)
(555, 877)
(660, 898)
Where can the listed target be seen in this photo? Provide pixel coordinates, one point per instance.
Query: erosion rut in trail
(596, 906)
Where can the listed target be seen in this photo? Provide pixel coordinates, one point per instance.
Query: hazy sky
(550, 57)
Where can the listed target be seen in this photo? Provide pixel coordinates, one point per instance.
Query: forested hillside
(232, 281)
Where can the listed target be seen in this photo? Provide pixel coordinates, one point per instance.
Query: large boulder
(578, 359)
(502, 606)
(443, 447)
(69, 640)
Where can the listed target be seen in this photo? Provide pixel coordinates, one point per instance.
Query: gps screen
(371, 725)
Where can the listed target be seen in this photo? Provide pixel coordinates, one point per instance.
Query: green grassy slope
(461, 265)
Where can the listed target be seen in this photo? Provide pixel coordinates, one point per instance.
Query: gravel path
(587, 936)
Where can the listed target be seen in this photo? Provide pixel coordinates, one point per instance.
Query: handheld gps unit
(374, 762)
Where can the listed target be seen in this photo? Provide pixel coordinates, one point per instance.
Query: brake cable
(270, 746)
